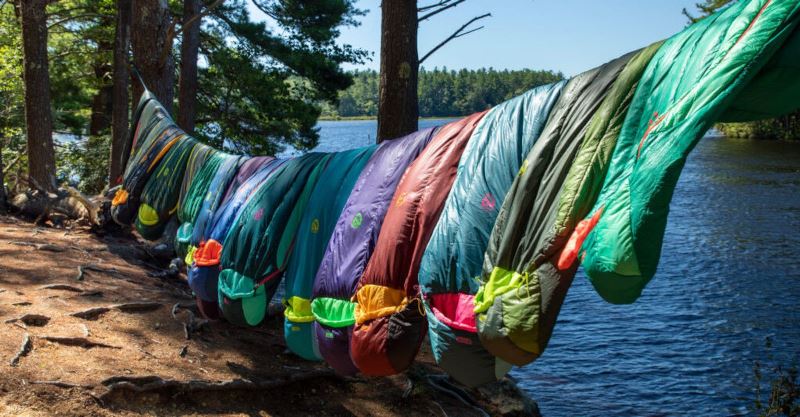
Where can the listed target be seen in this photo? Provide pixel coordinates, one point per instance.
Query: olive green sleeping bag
(515, 307)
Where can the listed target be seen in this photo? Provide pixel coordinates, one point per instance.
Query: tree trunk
(120, 100)
(102, 102)
(38, 118)
(149, 26)
(187, 99)
(398, 109)
(3, 194)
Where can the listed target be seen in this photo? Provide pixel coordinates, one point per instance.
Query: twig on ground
(24, 350)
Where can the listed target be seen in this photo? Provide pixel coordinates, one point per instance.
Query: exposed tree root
(63, 287)
(77, 341)
(24, 350)
(92, 313)
(22, 304)
(66, 202)
(36, 320)
(155, 384)
(137, 307)
(94, 268)
(62, 384)
(40, 246)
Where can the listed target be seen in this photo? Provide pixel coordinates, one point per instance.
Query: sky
(570, 36)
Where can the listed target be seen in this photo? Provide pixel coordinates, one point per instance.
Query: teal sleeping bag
(453, 260)
(317, 224)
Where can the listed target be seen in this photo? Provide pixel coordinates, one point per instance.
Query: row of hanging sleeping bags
(472, 232)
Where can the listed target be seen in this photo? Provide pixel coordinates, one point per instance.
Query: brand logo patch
(488, 202)
(315, 226)
(357, 219)
(524, 167)
(295, 328)
(401, 199)
(329, 335)
(258, 214)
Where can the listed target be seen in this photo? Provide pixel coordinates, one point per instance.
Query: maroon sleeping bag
(390, 324)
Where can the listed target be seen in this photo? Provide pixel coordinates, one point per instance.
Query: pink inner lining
(455, 310)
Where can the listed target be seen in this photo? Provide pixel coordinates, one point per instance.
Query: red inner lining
(455, 310)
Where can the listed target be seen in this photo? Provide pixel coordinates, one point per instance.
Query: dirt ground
(126, 353)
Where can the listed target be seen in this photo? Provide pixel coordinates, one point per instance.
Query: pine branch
(457, 34)
(172, 33)
(445, 4)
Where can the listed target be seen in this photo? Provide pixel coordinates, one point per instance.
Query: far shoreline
(355, 118)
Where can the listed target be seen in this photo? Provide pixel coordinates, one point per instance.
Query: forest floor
(130, 351)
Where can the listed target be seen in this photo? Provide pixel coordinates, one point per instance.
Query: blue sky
(565, 35)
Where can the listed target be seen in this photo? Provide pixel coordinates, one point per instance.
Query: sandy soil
(136, 359)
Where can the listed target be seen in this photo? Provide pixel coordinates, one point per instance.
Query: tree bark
(187, 95)
(38, 117)
(120, 100)
(102, 102)
(398, 109)
(3, 195)
(149, 26)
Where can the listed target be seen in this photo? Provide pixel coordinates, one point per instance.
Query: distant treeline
(443, 92)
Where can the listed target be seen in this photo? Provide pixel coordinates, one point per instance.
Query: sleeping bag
(159, 200)
(203, 273)
(692, 81)
(216, 190)
(251, 261)
(517, 308)
(319, 217)
(351, 245)
(190, 205)
(227, 178)
(451, 266)
(155, 133)
(247, 169)
(390, 324)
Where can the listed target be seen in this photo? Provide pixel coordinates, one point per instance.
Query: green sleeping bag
(252, 263)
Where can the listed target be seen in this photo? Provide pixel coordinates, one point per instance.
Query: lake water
(729, 279)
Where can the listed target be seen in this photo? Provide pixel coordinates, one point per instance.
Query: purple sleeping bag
(352, 243)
